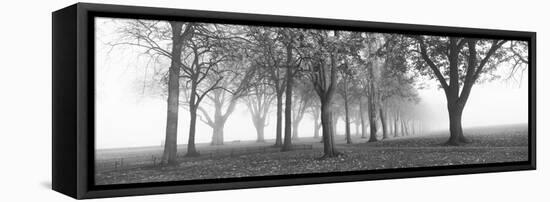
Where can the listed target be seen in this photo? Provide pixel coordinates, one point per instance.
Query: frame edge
(64, 143)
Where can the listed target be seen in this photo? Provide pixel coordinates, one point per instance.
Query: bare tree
(202, 71)
(259, 100)
(304, 97)
(235, 82)
(268, 55)
(151, 36)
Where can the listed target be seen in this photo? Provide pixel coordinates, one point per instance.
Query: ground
(488, 145)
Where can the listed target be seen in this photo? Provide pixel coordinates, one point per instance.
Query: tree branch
(431, 64)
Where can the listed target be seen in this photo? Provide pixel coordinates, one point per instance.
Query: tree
(372, 101)
(288, 38)
(220, 99)
(303, 96)
(396, 80)
(346, 72)
(396, 120)
(235, 83)
(268, 54)
(315, 110)
(151, 36)
(201, 70)
(170, 146)
(356, 117)
(234, 72)
(259, 100)
(323, 50)
(369, 77)
(458, 63)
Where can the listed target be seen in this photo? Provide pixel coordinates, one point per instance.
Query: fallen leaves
(398, 153)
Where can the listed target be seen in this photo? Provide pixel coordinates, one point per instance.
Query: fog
(130, 113)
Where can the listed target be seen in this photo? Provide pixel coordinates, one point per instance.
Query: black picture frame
(73, 101)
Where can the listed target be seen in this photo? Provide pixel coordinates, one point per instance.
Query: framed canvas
(156, 100)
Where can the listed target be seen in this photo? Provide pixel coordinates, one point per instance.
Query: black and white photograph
(271, 101)
(177, 101)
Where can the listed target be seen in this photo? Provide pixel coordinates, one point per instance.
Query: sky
(128, 115)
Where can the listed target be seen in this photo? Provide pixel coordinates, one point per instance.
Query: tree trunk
(372, 119)
(454, 103)
(357, 125)
(279, 129)
(348, 130)
(403, 131)
(396, 126)
(170, 145)
(217, 133)
(390, 124)
(455, 126)
(259, 124)
(328, 136)
(362, 114)
(217, 127)
(317, 126)
(191, 150)
(288, 101)
(404, 127)
(385, 134)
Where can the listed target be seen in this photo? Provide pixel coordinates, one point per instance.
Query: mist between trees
(370, 81)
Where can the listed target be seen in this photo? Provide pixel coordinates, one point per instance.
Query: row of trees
(362, 78)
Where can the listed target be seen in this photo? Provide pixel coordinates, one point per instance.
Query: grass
(489, 145)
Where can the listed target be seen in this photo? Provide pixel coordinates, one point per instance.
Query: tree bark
(372, 118)
(455, 125)
(259, 124)
(404, 127)
(217, 126)
(288, 101)
(279, 127)
(325, 84)
(362, 114)
(328, 137)
(170, 146)
(317, 126)
(348, 130)
(385, 134)
(453, 103)
(390, 125)
(217, 133)
(191, 150)
(396, 125)
(357, 125)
